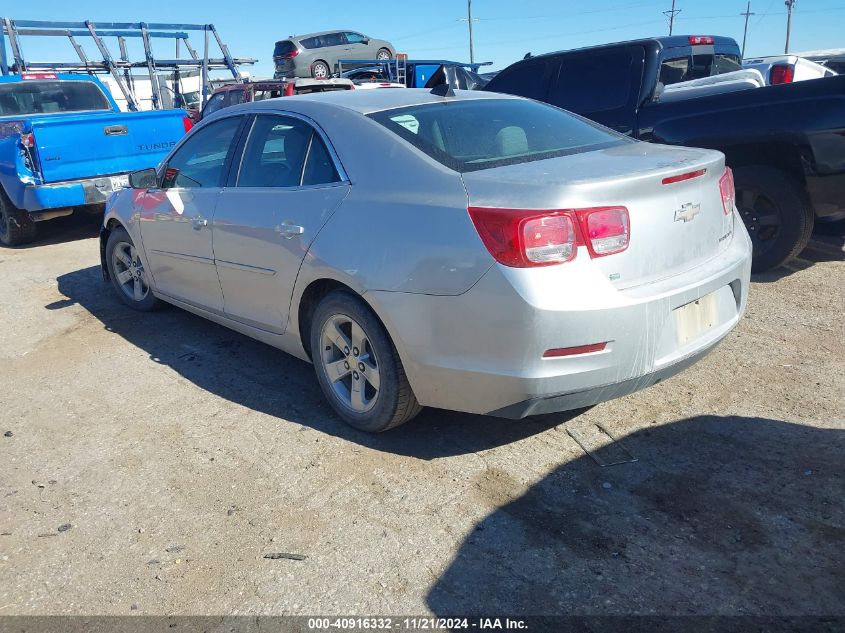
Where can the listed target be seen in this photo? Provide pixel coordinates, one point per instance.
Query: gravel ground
(151, 462)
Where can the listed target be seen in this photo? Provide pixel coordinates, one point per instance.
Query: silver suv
(316, 54)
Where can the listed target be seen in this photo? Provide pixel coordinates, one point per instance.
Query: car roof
(368, 101)
(672, 41)
(318, 34)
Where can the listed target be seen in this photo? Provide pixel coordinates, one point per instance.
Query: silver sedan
(469, 251)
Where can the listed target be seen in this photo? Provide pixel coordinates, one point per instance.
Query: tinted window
(594, 82)
(46, 97)
(214, 103)
(485, 133)
(311, 42)
(284, 47)
(319, 168)
(332, 39)
(355, 38)
(275, 153)
(524, 80)
(201, 159)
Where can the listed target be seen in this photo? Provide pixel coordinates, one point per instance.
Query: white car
(784, 69)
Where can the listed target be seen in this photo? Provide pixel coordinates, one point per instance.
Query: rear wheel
(384, 54)
(128, 275)
(320, 70)
(16, 227)
(357, 365)
(776, 213)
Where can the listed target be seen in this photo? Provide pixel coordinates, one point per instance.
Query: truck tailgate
(89, 145)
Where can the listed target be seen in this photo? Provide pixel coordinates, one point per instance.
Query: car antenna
(443, 90)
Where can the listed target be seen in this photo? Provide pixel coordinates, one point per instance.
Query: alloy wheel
(350, 363)
(129, 271)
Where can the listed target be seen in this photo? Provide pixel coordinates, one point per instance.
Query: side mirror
(144, 179)
(366, 41)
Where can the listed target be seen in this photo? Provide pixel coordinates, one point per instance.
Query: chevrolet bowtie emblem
(687, 212)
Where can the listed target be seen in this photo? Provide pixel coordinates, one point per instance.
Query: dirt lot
(180, 454)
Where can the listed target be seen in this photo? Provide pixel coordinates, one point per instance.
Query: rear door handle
(199, 222)
(288, 230)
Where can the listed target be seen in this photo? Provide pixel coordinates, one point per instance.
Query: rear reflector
(781, 74)
(728, 191)
(681, 177)
(701, 39)
(574, 351)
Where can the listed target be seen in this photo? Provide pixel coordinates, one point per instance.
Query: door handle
(199, 222)
(288, 230)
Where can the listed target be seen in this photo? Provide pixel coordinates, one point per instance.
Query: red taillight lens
(291, 55)
(608, 230)
(28, 140)
(728, 191)
(524, 238)
(701, 39)
(187, 124)
(288, 89)
(781, 74)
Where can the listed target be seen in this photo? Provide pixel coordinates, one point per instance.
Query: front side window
(48, 97)
(284, 152)
(201, 160)
(355, 38)
(470, 135)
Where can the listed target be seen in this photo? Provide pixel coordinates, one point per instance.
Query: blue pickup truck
(65, 145)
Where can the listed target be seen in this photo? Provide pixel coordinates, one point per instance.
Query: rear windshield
(47, 97)
(687, 68)
(485, 133)
(283, 48)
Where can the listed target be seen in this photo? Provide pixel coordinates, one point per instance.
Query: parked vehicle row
(783, 142)
(65, 145)
(509, 259)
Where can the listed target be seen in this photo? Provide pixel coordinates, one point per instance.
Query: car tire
(16, 227)
(777, 214)
(362, 361)
(133, 289)
(320, 70)
(384, 53)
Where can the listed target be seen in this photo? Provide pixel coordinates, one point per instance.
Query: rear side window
(319, 167)
(310, 42)
(481, 134)
(284, 47)
(601, 80)
(47, 97)
(524, 80)
(333, 39)
(200, 161)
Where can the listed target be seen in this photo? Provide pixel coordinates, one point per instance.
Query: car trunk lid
(675, 223)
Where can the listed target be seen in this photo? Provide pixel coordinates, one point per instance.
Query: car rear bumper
(482, 352)
(72, 193)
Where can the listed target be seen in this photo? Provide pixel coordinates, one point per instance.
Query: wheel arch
(783, 156)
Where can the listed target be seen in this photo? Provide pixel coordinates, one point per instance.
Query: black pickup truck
(785, 143)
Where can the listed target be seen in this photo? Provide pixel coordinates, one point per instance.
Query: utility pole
(789, 4)
(469, 21)
(671, 15)
(747, 15)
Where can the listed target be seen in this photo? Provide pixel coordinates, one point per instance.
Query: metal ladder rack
(121, 68)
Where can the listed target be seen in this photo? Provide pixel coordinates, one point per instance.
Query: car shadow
(720, 516)
(262, 378)
(71, 228)
(826, 245)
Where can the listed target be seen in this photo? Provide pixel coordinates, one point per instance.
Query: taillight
(291, 55)
(701, 39)
(288, 89)
(781, 74)
(728, 191)
(28, 140)
(187, 124)
(682, 177)
(525, 238)
(607, 230)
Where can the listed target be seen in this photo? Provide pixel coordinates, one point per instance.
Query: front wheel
(357, 365)
(128, 275)
(384, 54)
(320, 70)
(777, 214)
